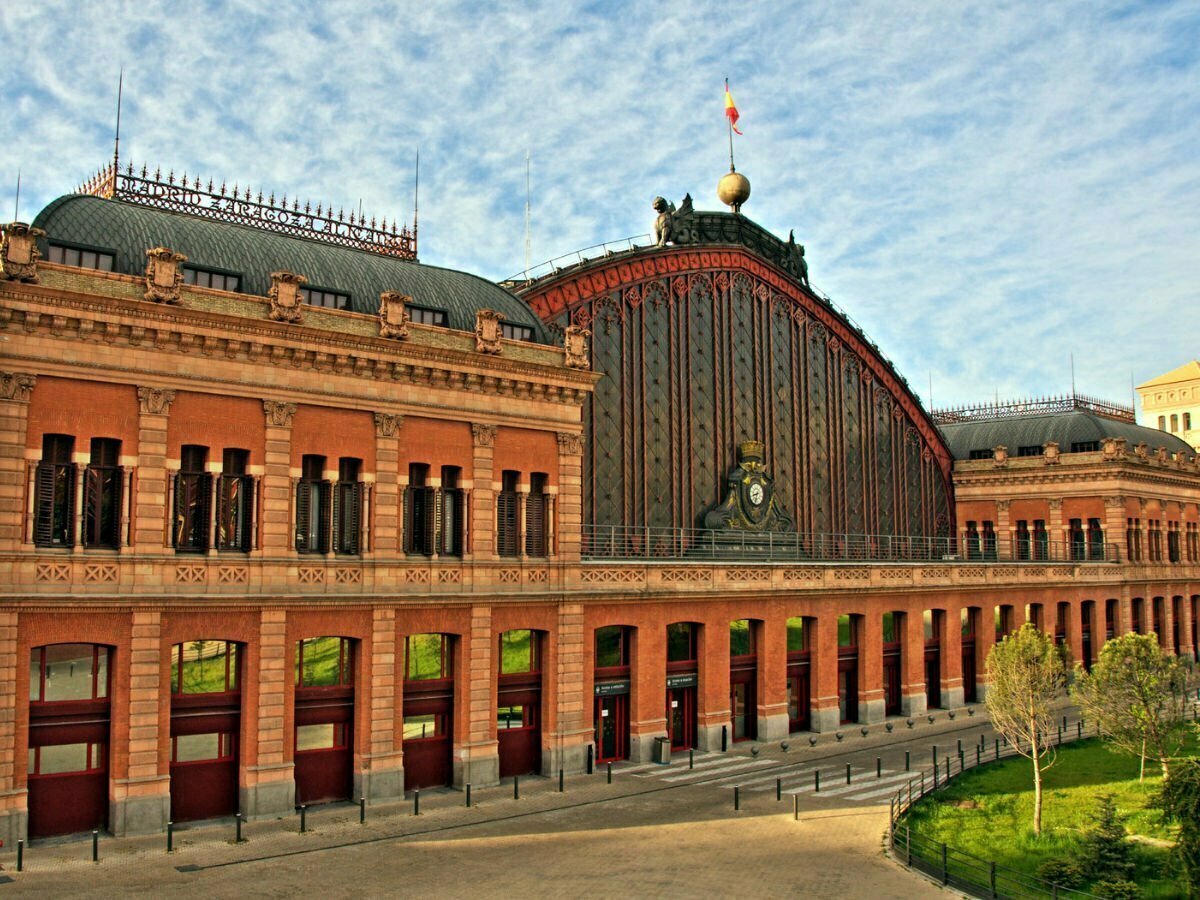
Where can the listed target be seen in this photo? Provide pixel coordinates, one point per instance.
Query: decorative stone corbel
(155, 401)
(1114, 448)
(487, 331)
(575, 346)
(387, 424)
(1142, 451)
(1114, 501)
(279, 413)
(19, 251)
(393, 320)
(1050, 453)
(483, 435)
(1161, 454)
(287, 303)
(163, 275)
(570, 443)
(1000, 455)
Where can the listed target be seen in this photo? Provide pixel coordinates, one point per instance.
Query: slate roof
(1066, 428)
(129, 231)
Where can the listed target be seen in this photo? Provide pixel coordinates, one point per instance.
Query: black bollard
(724, 738)
(960, 745)
(978, 754)
(20, 855)
(590, 758)
(238, 819)
(962, 760)
(796, 807)
(416, 803)
(303, 823)
(879, 767)
(1079, 729)
(997, 748)
(170, 836)
(468, 795)
(947, 768)
(362, 807)
(691, 757)
(934, 749)
(95, 846)
(847, 773)
(560, 781)
(907, 761)
(610, 773)
(816, 782)
(516, 787)
(737, 798)
(778, 788)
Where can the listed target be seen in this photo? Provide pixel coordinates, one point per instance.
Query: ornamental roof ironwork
(1038, 406)
(242, 206)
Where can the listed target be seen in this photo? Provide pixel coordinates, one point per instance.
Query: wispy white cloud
(987, 188)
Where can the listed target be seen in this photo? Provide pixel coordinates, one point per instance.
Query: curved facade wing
(705, 346)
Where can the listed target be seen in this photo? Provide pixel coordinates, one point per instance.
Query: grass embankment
(989, 812)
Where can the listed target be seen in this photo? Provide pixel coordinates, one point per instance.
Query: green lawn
(989, 812)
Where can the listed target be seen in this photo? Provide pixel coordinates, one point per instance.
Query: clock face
(756, 494)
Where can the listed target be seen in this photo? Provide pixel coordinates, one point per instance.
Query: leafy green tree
(1106, 855)
(1180, 802)
(1137, 695)
(1027, 675)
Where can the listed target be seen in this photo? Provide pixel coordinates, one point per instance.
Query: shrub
(1117, 890)
(1105, 853)
(1066, 873)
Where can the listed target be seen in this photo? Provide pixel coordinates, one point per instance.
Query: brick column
(570, 732)
(913, 699)
(647, 689)
(569, 505)
(381, 776)
(712, 691)
(985, 639)
(1057, 531)
(772, 678)
(952, 684)
(1114, 527)
(871, 703)
(1167, 638)
(13, 801)
(476, 753)
(1005, 532)
(152, 513)
(1124, 623)
(16, 389)
(1075, 630)
(269, 786)
(824, 673)
(1186, 648)
(483, 502)
(386, 529)
(142, 799)
(277, 523)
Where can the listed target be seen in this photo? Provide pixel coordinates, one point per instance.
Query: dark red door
(428, 733)
(612, 728)
(519, 724)
(891, 681)
(681, 717)
(968, 670)
(743, 702)
(68, 778)
(204, 756)
(933, 677)
(324, 744)
(799, 698)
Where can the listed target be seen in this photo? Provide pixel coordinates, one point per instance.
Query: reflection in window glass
(203, 667)
(325, 736)
(610, 647)
(425, 654)
(795, 634)
(196, 747)
(323, 662)
(61, 759)
(889, 628)
(511, 717)
(927, 624)
(681, 642)
(68, 672)
(740, 642)
(517, 652)
(847, 636)
(422, 726)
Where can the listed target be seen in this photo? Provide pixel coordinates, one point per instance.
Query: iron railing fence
(643, 542)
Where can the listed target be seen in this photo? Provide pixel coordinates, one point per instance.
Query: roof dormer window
(422, 315)
(212, 278)
(83, 257)
(516, 332)
(323, 298)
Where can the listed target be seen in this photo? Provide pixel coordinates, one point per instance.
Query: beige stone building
(1171, 402)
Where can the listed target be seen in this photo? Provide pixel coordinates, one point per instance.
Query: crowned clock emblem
(750, 502)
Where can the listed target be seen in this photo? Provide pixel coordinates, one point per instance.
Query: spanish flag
(731, 112)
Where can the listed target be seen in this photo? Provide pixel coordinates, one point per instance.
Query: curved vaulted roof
(128, 231)
(1066, 428)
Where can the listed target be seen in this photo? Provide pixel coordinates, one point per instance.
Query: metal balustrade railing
(631, 542)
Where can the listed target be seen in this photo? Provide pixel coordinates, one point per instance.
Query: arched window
(324, 662)
(1187, 421)
(204, 667)
(1174, 422)
(1162, 423)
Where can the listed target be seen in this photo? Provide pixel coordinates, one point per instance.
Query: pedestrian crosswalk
(754, 775)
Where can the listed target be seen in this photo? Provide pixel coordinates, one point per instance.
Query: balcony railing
(642, 542)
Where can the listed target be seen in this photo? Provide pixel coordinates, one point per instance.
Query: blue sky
(987, 188)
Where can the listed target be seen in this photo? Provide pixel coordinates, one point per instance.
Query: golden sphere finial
(733, 190)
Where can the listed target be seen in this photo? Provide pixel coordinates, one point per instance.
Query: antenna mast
(416, 199)
(17, 218)
(528, 262)
(117, 136)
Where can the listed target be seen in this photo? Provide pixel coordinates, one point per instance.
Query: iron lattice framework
(1043, 406)
(245, 207)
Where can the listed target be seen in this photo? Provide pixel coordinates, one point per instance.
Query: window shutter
(429, 525)
(245, 512)
(409, 542)
(43, 508)
(535, 525)
(348, 516)
(506, 523)
(203, 507)
(303, 514)
(118, 486)
(325, 489)
(181, 500)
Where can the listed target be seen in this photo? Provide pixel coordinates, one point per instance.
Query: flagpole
(729, 122)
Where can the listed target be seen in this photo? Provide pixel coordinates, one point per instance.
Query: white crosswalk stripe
(716, 772)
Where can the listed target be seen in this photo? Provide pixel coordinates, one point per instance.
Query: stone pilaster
(152, 513)
(13, 800)
(16, 390)
(483, 498)
(1057, 531)
(569, 502)
(952, 675)
(913, 699)
(771, 687)
(277, 524)
(382, 773)
(269, 788)
(871, 703)
(1005, 531)
(387, 488)
(566, 744)
(142, 799)
(826, 715)
(476, 754)
(1114, 527)
(1187, 650)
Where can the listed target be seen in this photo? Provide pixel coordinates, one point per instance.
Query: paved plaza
(654, 831)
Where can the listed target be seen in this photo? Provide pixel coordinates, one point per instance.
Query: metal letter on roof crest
(487, 331)
(163, 275)
(750, 502)
(393, 319)
(19, 251)
(287, 303)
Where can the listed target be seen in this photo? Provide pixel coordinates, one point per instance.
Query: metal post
(778, 789)
(945, 868)
(997, 748)
(960, 745)
(303, 823)
(879, 767)
(993, 879)
(1064, 727)
(724, 738)
(590, 758)
(560, 781)
(516, 787)
(416, 802)
(170, 836)
(978, 754)
(20, 855)
(962, 764)
(1079, 729)
(737, 798)
(816, 782)
(691, 757)
(934, 749)
(362, 809)
(795, 809)
(610, 773)
(95, 845)
(934, 779)
(847, 773)
(468, 795)
(947, 768)
(908, 844)
(238, 819)
(907, 760)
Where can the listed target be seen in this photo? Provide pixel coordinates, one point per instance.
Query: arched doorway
(428, 710)
(206, 707)
(611, 682)
(324, 732)
(682, 640)
(519, 703)
(799, 659)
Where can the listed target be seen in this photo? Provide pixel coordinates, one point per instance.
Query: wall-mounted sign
(681, 681)
(612, 688)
